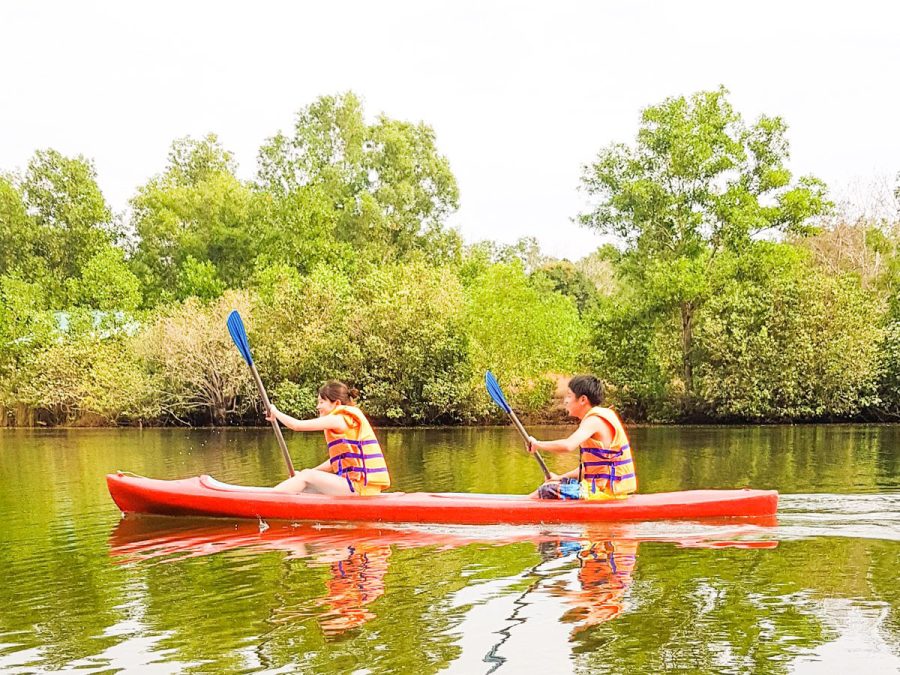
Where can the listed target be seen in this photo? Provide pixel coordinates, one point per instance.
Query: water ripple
(870, 516)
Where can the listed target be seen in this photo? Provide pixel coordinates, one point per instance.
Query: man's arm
(588, 427)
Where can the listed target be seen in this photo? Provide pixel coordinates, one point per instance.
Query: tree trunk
(217, 412)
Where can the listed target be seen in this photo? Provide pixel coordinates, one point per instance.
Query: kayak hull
(205, 496)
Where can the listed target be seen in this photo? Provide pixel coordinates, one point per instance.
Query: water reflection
(357, 579)
(216, 596)
(357, 557)
(605, 571)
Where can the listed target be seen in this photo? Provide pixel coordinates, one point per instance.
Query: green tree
(298, 229)
(64, 223)
(566, 278)
(407, 345)
(298, 331)
(89, 373)
(524, 331)
(396, 333)
(106, 283)
(781, 340)
(17, 230)
(198, 279)
(697, 181)
(25, 327)
(889, 372)
(195, 223)
(634, 350)
(388, 186)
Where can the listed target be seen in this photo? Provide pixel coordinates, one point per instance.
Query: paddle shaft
(537, 455)
(278, 434)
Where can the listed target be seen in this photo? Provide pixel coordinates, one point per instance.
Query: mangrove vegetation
(731, 291)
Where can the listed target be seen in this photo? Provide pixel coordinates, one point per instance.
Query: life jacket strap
(611, 476)
(608, 462)
(350, 441)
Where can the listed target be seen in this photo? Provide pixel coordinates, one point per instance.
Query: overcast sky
(521, 95)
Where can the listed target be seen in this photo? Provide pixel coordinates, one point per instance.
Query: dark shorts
(567, 488)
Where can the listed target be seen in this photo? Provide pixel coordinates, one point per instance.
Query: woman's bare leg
(321, 481)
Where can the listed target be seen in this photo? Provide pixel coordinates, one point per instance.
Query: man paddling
(605, 467)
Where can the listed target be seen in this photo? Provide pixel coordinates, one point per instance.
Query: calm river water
(84, 589)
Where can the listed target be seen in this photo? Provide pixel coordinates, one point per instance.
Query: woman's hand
(272, 413)
(533, 444)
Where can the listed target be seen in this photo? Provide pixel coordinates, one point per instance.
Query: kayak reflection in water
(605, 466)
(355, 464)
(604, 576)
(357, 557)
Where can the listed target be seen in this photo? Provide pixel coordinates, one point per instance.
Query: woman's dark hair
(338, 392)
(590, 386)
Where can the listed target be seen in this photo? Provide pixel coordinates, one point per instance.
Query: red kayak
(205, 496)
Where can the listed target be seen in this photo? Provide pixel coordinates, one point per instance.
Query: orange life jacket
(607, 469)
(356, 452)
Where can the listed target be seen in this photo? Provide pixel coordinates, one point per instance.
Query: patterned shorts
(566, 488)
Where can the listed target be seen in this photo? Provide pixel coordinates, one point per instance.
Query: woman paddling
(355, 464)
(605, 467)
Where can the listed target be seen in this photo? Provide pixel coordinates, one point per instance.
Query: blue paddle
(496, 393)
(239, 335)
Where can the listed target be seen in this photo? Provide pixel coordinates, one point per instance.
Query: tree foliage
(388, 188)
(53, 220)
(522, 330)
(781, 340)
(106, 283)
(195, 224)
(728, 296)
(188, 349)
(697, 181)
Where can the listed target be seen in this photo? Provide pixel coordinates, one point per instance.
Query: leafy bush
(407, 349)
(889, 371)
(523, 331)
(781, 340)
(187, 347)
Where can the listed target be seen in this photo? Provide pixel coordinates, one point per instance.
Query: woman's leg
(321, 481)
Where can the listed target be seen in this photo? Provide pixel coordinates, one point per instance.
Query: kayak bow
(205, 496)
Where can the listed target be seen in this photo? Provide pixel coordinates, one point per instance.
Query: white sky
(520, 94)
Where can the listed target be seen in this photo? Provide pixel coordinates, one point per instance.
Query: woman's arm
(331, 422)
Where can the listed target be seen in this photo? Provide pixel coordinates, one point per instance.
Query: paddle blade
(239, 335)
(494, 390)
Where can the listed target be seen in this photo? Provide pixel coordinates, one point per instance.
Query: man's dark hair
(590, 386)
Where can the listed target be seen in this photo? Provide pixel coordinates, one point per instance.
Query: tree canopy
(733, 291)
(697, 181)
